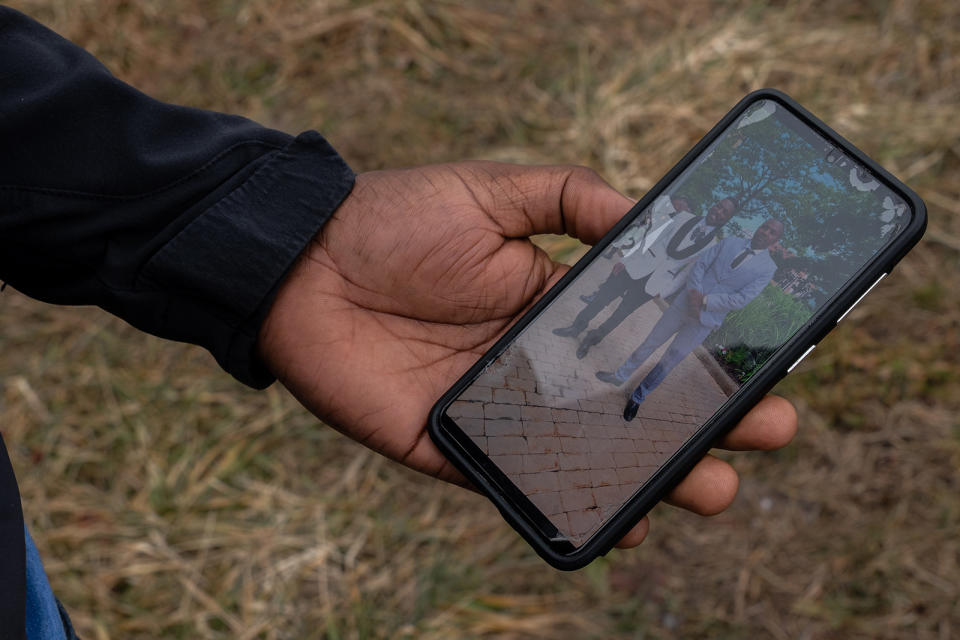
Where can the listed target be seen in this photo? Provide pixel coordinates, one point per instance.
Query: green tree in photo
(776, 166)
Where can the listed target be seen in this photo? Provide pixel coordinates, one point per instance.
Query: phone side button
(805, 354)
(861, 298)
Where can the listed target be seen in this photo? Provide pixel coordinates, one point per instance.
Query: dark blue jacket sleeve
(178, 220)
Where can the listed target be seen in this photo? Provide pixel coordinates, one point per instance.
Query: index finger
(770, 424)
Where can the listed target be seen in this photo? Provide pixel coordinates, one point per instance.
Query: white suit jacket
(649, 251)
(668, 257)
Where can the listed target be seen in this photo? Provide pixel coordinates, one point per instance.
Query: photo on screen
(685, 305)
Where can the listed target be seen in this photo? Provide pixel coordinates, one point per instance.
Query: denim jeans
(46, 618)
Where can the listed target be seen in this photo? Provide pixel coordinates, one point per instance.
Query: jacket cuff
(231, 258)
(706, 305)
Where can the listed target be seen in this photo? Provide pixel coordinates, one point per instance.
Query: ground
(170, 502)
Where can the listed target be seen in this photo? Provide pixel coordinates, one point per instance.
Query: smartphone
(605, 394)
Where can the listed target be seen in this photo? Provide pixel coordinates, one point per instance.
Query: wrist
(313, 288)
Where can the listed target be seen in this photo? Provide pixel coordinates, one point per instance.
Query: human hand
(416, 275)
(695, 298)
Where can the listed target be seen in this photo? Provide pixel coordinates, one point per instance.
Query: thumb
(526, 200)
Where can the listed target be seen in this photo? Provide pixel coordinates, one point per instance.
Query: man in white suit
(657, 264)
(726, 277)
(633, 235)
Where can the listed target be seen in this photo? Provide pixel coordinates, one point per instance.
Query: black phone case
(675, 468)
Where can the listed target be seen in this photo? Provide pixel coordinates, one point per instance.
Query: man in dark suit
(727, 277)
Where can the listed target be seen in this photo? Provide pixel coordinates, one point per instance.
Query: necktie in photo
(740, 258)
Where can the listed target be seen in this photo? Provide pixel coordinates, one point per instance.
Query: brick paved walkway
(559, 433)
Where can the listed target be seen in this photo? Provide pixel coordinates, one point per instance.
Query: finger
(771, 424)
(708, 489)
(636, 535)
(527, 200)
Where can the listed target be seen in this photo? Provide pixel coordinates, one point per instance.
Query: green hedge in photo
(750, 335)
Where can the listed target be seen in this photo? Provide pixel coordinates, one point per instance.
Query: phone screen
(679, 311)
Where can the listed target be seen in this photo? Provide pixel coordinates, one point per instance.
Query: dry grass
(169, 502)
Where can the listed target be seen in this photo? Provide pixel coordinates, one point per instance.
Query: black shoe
(609, 378)
(566, 332)
(590, 298)
(589, 340)
(630, 411)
